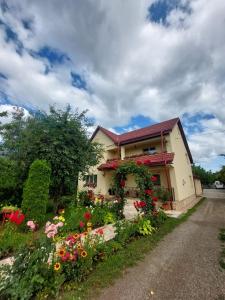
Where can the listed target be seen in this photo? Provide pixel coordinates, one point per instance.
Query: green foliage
(84, 198)
(143, 179)
(60, 138)
(36, 190)
(163, 194)
(109, 218)
(145, 227)
(8, 180)
(11, 239)
(125, 230)
(206, 177)
(30, 273)
(66, 201)
(221, 175)
(73, 216)
(222, 254)
(222, 235)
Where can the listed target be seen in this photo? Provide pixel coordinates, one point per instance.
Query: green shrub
(125, 230)
(36, 189)
(84, 198)
(73, 216)
(66, 201)
(11, 239)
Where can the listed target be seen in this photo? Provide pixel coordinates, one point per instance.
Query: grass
(107, 271)
(222, 254)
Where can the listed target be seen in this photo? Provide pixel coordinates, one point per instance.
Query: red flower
(100, 231)
(16, 217)
(154, 178)
(82, 224)
(139, 162)
(142, 204)
(139, 204)
(122, 183)
(148, 192)
(155, 199)
(114, 165)
(87, 215)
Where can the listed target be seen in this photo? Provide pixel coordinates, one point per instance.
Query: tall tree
(60, 138)
(206, 177)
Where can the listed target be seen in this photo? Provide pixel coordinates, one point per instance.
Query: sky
(130, 63)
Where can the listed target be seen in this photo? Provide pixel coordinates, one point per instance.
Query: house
(162, 147)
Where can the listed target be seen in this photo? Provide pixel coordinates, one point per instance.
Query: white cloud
(10, 110)
(131, 66)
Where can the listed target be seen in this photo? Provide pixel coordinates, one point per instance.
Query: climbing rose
(155, 199)
(122, 183)
(148, 192)
(153, 178)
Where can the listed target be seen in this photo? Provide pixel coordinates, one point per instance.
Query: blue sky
(131, 64)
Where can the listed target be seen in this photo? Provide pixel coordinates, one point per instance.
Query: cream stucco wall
(104, 179)
(198, 187)
(137, 148)
(181, 174)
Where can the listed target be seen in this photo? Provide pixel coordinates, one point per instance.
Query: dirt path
(183, 266)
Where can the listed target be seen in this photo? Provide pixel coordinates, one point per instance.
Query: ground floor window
(90, 180)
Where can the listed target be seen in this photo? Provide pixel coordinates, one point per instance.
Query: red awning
(149, 160)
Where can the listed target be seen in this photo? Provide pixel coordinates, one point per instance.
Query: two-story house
(162, 147)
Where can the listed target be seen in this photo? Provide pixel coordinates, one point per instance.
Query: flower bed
(48, 262)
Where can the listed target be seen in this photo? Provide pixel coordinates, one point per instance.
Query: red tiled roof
(145, 133)
(139, 134)
(148, 160)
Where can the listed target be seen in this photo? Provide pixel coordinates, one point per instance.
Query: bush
(11, 239)
(66, 201)
(35, 193)
(125, 230)
(85, 198)
(8, 181)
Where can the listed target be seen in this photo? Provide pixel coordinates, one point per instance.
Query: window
(90, 180)
(149, 150)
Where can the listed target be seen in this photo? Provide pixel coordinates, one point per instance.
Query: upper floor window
(90, 180)
(149, 150)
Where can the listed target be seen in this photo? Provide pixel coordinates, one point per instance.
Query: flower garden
(67, 246)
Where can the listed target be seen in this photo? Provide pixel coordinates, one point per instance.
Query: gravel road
(184, 265)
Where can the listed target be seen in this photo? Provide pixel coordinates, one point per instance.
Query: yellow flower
(79, 246)
(57, 266)
(89, 224)
(61, 252)
(83, 253)
(89, 229)
(61, 218)
(76, 236)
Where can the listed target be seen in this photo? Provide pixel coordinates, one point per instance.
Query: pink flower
(32, 225)
(51, 234)
(82, 224)
(60, 224)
